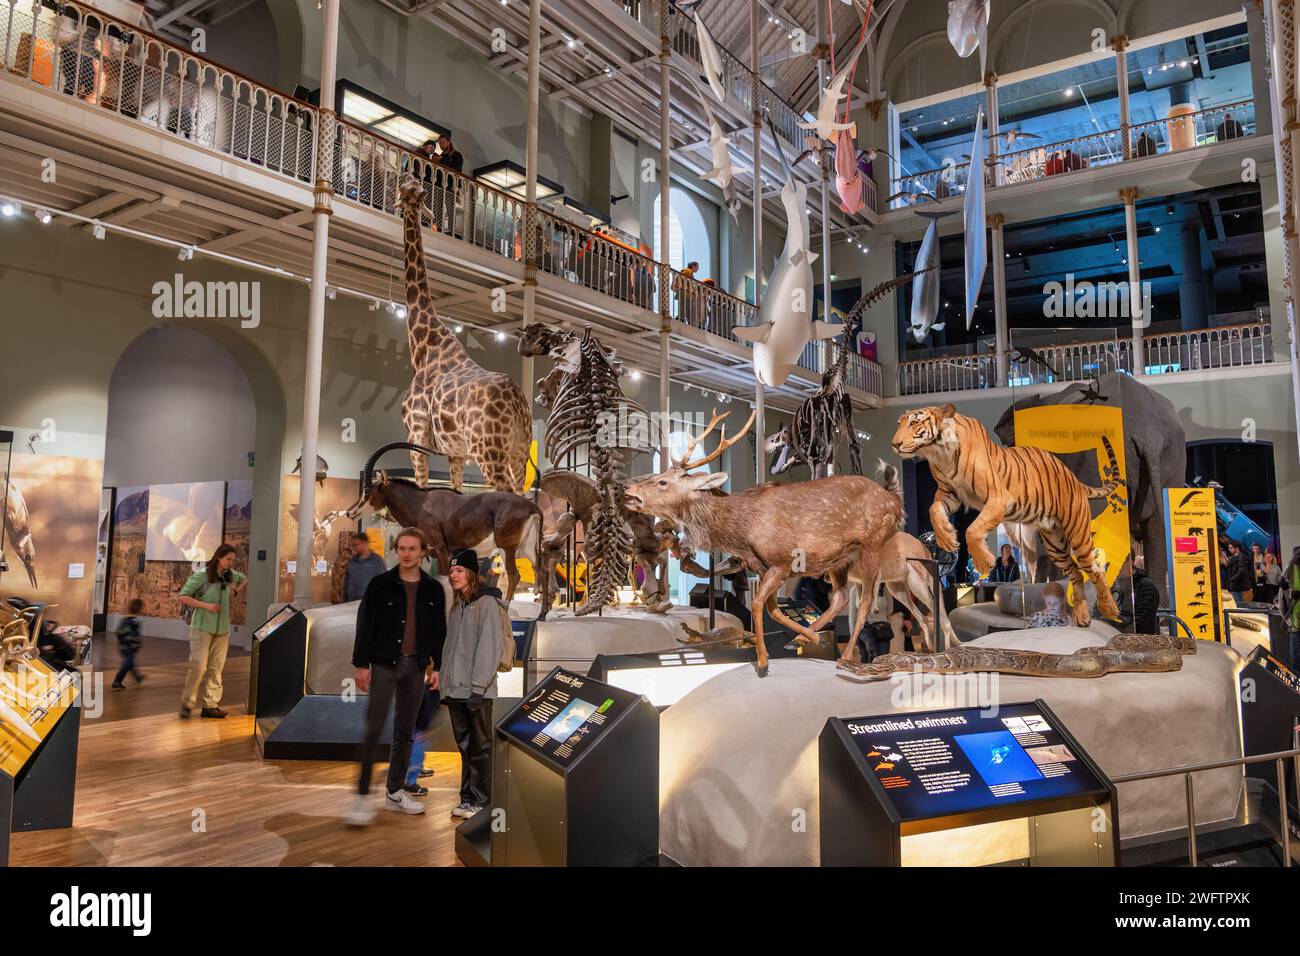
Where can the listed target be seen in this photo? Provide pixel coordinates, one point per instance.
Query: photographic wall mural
(333, 497)
(184, 521)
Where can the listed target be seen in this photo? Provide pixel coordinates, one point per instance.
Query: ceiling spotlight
(460, 329)
(1157, 228)
(400, 312)
(1069, 91)
(572, 43)
(374, 305)
(97, 229)
(636, 375)
(330, 292)
(185, 253)
(501, 336)
(10, 208)
(43, 216)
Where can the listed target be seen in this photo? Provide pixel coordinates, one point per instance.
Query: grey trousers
(405, 683)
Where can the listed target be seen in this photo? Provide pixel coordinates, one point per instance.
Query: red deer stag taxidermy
(775, 531)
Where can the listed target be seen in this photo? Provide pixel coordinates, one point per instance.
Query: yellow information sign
(32, 699)
(1192, 535)
(1063, 429)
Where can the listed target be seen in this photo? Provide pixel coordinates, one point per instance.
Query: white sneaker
(403, 802)
(362, 813)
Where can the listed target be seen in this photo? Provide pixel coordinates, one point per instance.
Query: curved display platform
(738, 758)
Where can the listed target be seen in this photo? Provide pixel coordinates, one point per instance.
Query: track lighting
(330, 292)
(10, 208)
(400, 312)
(374, 305)
(97, 229)
(501, 336)
(185, 253)
(460, 329)
(43, 216)
(636, 375)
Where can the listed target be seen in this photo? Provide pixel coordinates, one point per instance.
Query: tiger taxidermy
(1023, 484)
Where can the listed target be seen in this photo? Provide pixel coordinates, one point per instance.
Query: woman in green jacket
(208, 592)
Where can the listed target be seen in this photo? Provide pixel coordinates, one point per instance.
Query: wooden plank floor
(146, 779)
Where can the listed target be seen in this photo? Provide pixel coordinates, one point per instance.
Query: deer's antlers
(723, 441)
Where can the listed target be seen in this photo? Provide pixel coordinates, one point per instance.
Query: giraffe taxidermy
(454, 406)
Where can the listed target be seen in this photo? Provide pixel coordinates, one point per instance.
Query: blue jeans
(420, 744)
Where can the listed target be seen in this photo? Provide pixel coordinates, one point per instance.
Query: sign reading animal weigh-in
(1066, 429)
(1192, 541)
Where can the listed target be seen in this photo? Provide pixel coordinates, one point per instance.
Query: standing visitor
(1006, 568)
(209, 630)
(401, 624)
(1241, 577)
(362, 568)
(1272, 578)
(1291, 604)
(128, 642)
(1258, 575)
(479, 623)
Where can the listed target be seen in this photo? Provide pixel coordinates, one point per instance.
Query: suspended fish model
(825, 124)
(710, 58)
(785, 323)
(968, 29)
(972, 213)
(722, 173)
(925, 290)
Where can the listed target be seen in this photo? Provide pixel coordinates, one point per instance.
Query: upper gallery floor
(206, 150)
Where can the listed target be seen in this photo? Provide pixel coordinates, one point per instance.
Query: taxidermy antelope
(451, 520)
(775, 531)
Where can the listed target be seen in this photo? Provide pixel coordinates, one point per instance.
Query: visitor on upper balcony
(1145, 145)
(449, 155)
(1229, 129)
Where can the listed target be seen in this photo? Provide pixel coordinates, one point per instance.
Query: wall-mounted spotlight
(97, 229)
(43, 216)
(185, 253)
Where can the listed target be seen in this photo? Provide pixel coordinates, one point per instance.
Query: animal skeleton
(322, 469)
(823, 416)
(588, 404)
(815, 526)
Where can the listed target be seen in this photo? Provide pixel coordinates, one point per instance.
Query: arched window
(688, 236)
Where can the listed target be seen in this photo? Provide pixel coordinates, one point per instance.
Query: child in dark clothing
(128, 642)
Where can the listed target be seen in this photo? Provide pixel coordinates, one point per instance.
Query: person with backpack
(479, 641)
(207, 596)
(128, 642)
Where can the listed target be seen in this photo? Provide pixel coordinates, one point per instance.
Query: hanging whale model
(925, 291)
(968, 27)
(784, 317)
(710, 58)
(828, 106)
(722, 173)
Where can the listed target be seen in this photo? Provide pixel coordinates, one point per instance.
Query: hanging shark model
(925, 290)
(784, 317)
(973, 219)
(829, 103)
(968, 28)
(710, 58)
(722, 174)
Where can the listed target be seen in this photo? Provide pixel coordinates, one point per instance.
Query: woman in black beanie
(476, 631)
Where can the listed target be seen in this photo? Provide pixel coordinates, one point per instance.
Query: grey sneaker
(461, 810)
(362, 812)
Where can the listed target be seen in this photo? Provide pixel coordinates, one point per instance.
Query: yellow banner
(1079, 428)
(1193, 544)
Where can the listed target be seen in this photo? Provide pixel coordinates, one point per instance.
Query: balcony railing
(1226, 346)
(1158, 137)
(110, 65)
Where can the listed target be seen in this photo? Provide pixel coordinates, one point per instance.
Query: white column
(665, 219)
(1136, 307)
(1001, 332)
(760, 419)
(1120, 45)
(322, 209)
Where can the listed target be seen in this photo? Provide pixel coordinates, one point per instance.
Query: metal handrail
(1186, 771)
(107, 63)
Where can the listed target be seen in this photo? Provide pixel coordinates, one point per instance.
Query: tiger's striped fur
(1023, 484)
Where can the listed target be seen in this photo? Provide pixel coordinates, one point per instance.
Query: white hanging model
(722, 173)
(968, 28)
(828, 105)
(973, 220)
(710, 58)
(925, 290)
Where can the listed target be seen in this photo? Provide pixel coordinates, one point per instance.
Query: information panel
(1191, 523)
(272, 625)
(1260, 655)
(939, 763)
(563, 715)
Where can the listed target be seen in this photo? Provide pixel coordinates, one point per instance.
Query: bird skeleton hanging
(588, 409)
(785, 323)
(824, 416)
(722, 174)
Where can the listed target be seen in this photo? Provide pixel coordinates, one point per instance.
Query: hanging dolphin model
(972, 214)
(968, 28)
(925, 290)
(722, 174)
(828, 106)
(710, 58)
(785, 323)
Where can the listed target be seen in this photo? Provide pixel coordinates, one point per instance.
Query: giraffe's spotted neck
(426, 335)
